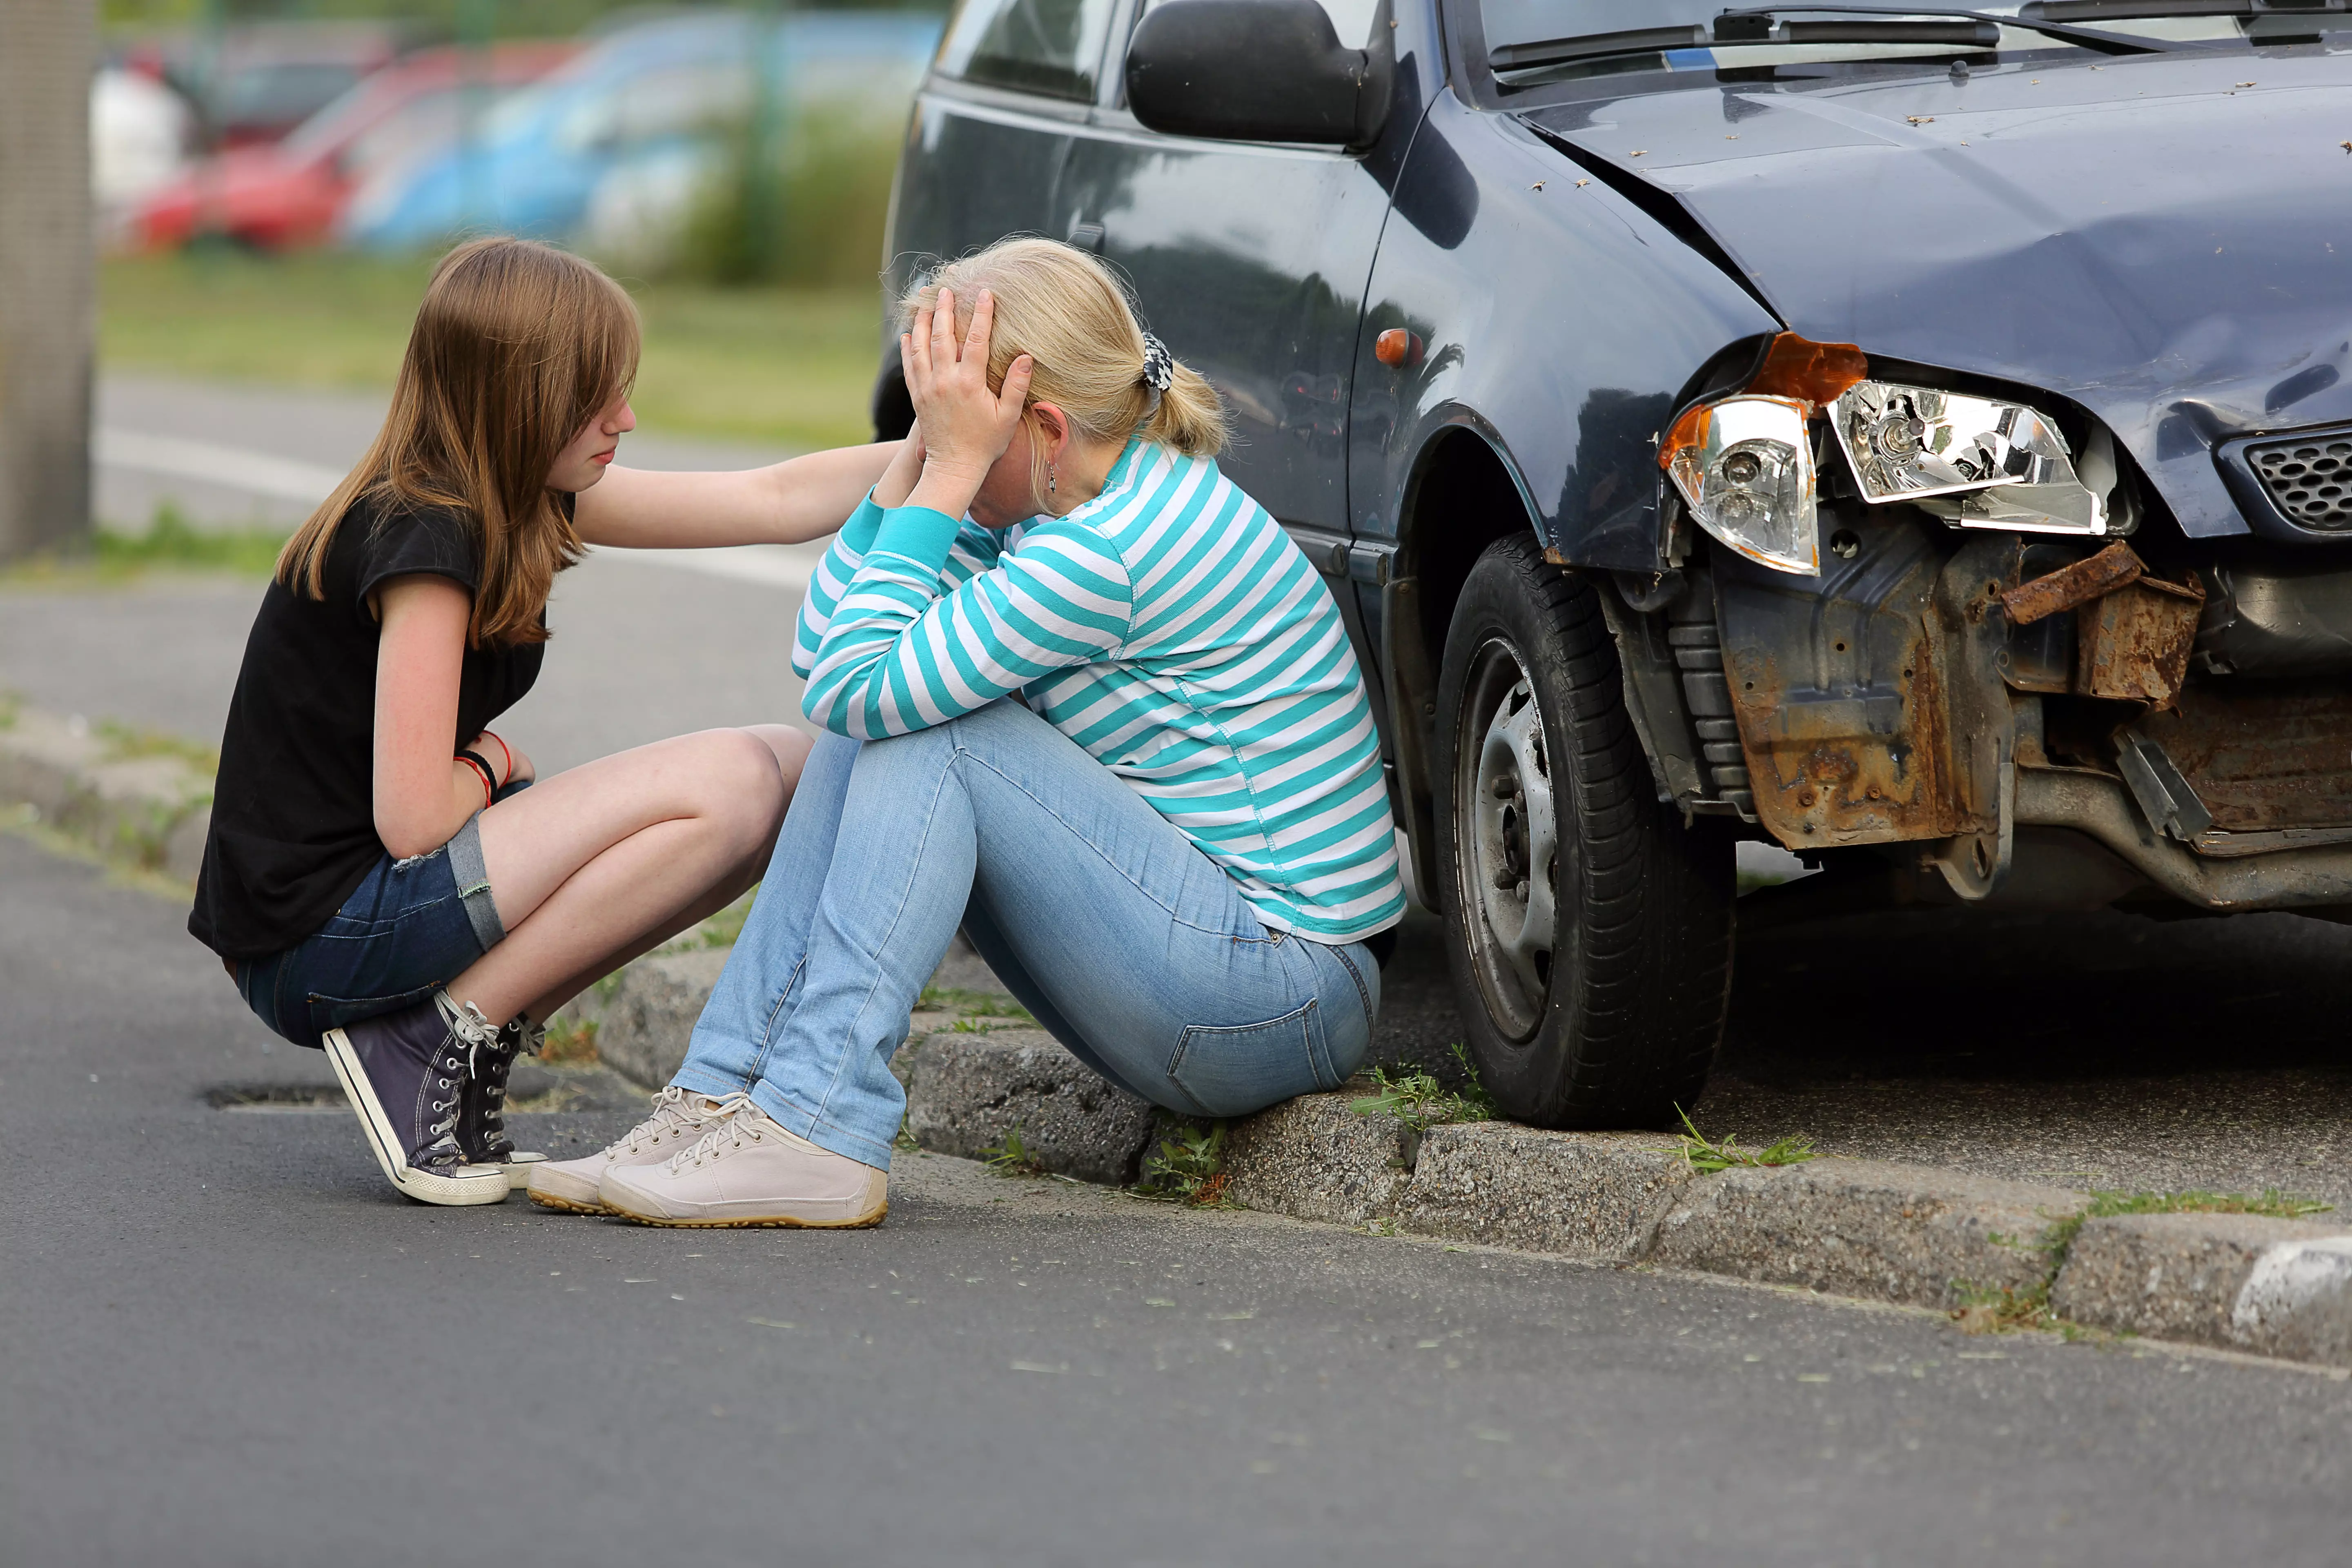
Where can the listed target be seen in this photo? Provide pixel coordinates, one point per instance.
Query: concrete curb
(153, 811)
(2274, 1286)
(1917, 1235)
(967, 1093)
(1912, 1233)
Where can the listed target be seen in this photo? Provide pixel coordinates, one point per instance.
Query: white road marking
(787, 566)
(231, 467)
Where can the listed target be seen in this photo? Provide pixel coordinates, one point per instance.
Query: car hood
(2166, 239)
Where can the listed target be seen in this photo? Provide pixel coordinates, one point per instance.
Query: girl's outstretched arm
(789, 502)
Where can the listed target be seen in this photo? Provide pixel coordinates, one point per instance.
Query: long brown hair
(516, 347)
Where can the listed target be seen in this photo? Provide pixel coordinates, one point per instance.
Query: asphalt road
(228, 1342)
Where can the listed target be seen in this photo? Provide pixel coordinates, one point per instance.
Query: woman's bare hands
(966, 426)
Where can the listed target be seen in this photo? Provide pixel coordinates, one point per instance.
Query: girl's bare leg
(605, 861)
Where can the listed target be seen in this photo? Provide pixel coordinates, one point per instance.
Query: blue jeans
(411, 925)
(1131, 946)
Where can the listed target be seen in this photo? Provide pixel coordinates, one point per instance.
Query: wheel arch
(1464, 493)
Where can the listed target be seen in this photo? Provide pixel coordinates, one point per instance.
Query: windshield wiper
(1757, 19)
(2144, 10)
(1597, 45)
(1882, 25)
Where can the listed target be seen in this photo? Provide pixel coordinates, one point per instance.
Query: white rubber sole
(450, 1191)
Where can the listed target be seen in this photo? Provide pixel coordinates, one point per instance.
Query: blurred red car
(289, 193)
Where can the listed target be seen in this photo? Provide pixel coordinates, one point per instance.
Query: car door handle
(1086, 236)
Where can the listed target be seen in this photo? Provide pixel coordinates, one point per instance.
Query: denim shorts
(413, 925)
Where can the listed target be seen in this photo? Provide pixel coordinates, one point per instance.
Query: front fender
(1552, 315)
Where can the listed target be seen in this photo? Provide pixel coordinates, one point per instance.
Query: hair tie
(1159, 364)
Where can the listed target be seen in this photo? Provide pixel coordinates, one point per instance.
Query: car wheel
(1589, 928)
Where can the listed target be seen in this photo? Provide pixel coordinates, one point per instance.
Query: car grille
(2310, 480)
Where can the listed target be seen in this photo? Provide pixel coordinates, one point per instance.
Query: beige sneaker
(679, 1119)
(748, 1171)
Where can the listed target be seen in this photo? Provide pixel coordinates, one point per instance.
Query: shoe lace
(670, 1116)
(729, 1130)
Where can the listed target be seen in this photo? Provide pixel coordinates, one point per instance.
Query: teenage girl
(377, 879)
(1085, 699)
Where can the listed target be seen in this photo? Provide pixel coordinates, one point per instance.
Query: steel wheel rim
(1506, 840)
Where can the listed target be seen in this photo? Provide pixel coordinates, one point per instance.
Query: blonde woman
(374, 880)
(1084, 698)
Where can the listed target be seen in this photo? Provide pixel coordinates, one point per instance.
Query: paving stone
(644, 1025)
(1577, 1194)
(152, 811)
(1865, 1227)
(1315, 1159)
(966, 1091)
(2274, 1286)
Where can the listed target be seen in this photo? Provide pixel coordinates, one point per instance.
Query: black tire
(1616, 1022)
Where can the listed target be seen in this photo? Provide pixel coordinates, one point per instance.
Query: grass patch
(970, 1003)
(790, 367)
(125, 742)
(571, 1043)
(1188, 1167)
(2005, 1308)
(170, 544)
(1706, 1157)
(1013, 1157)
(1420, 1102)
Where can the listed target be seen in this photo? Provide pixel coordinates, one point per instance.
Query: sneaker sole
(565, 1205)
(866, 1222)
(447, 1192)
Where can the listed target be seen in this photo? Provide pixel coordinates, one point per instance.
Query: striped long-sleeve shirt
(1168, 627)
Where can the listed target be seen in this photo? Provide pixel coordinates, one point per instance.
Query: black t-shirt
(293, 829)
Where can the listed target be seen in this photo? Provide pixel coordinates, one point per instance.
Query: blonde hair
(516, 347)
(1072, 316)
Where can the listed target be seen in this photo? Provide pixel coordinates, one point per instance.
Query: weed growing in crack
(1188, 1168)
(905, 1141)
(1706, 1157)
(1420, 1102)
(981, 1025)
(1013, 1157)
(1998, 1309)
(571, 1043)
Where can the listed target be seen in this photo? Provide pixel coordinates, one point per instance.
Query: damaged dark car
(1920, 438)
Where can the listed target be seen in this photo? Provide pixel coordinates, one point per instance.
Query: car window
(1051, 46)
(1351, 19)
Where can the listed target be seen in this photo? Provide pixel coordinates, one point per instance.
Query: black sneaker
(482, 1110)
(405, 1073)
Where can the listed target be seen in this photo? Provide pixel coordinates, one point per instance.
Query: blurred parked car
(290, 192)
(640, 99)
(255, 82)
(139, 132)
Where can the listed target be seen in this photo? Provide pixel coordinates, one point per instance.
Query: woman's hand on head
(965, 425)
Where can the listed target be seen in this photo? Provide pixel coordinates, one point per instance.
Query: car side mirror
(1256, 70)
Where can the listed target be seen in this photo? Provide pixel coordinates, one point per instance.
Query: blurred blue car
(658, 94)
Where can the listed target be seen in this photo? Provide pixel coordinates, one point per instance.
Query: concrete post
(49, 316)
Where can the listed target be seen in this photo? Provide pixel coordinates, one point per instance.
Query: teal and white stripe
(1168, 627)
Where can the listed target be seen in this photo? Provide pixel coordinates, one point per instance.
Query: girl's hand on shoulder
(966, 426)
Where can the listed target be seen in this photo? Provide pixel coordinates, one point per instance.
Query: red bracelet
(504, 751)
(482, 769)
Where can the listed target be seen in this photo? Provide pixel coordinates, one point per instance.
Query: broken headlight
(1746, 469)
(1978, 462)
